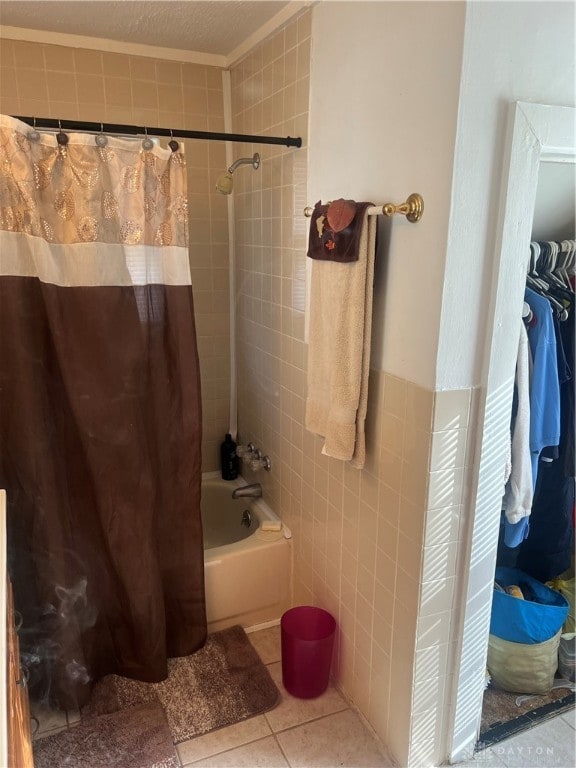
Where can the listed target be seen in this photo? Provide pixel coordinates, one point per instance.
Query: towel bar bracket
(413, 208)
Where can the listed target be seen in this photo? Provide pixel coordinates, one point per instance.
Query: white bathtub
(247, 572)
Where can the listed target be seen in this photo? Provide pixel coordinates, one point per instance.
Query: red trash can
(307, 638)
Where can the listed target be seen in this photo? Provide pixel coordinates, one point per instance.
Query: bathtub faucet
(253, 491)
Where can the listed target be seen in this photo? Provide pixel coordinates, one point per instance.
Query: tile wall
(71, 83)
(377, 547)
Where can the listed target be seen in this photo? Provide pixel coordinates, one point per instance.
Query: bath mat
(138, 737)
(501, 718)
(221, 684)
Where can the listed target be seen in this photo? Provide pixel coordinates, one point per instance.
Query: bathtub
(247, 571)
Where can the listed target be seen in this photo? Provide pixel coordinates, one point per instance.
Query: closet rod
(137, 130)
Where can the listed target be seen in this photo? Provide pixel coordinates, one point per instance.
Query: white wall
(384, 92)
(513, 51)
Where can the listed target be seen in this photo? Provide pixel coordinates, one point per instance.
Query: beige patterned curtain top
(82, 193)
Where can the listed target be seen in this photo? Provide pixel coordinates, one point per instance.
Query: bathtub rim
(263, 512)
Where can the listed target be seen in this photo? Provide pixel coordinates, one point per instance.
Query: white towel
(339, 350)
(517, 502)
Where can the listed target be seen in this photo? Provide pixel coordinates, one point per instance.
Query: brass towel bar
(413, 208)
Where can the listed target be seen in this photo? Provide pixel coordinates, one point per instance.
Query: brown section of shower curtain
(100, 434)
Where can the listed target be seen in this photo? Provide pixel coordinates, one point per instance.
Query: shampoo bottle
(228, 459)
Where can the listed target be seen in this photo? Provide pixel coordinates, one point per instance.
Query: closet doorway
(546, 553)
(537, 134)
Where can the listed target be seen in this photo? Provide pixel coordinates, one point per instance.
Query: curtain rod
(136, 130)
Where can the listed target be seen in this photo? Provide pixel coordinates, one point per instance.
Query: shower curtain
(100, 411)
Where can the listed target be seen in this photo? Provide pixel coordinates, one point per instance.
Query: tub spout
(253, 491)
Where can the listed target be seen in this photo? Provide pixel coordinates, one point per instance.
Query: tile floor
(327, 733)
(548, 745)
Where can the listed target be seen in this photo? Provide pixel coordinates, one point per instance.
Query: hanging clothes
(544, 398)
(547, 551)
(540, 542)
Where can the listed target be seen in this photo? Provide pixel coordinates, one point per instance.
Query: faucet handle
(260, 462)
(243, 450)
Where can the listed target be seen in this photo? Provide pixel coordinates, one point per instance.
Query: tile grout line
(225, 751)
(312, 720)
(281, 750)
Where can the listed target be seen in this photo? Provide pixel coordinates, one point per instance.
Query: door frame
(537, 133)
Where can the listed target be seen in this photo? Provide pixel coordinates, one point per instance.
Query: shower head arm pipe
(254, 161)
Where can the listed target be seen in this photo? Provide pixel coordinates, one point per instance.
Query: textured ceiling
(215, 27)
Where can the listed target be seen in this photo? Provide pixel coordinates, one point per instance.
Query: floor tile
(260, 754)
(570, 718)
(223, 739)
(336, 740)
(292, 711)
(548, 745)
(484, 759)
(267, 643)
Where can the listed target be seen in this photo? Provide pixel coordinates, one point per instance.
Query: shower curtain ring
(33, 135)
(173, 144)
(147, 142)
(61, 137)
(101, 140)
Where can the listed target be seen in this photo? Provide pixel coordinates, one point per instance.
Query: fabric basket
(523, 668)
(536, 619)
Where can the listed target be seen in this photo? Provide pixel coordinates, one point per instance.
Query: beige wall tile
(62, 86)
(118, 92)
(63, 109)
(215, 103)
(10, 105)
(121, 114)
(59, 58)
(214, 78)
(170, 97)
(32, 84)
(116, 64)
(7, 58)
(88, 62)
(144, 94)
(8, 83)
(142, 68)
(90, 89)
(194, 75)
(169, 72)
(28, 55)
(195, 100)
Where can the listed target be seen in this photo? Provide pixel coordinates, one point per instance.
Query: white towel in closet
(518, 493)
